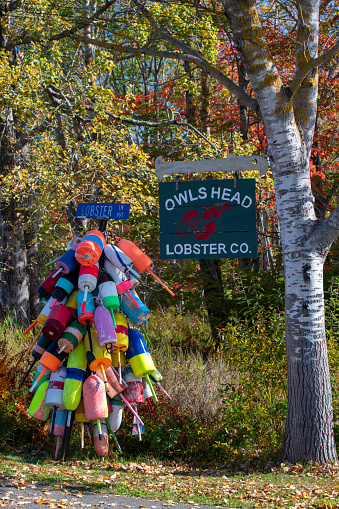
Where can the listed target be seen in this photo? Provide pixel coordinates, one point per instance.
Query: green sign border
(208, 219)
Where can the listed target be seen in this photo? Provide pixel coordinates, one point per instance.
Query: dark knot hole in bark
(306, 272)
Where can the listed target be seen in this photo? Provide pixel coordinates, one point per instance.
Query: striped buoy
(75, 372)
(54, 396)
(71, 336)
(90, 248)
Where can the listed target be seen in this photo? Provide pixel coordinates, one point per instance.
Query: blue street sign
(103, 210)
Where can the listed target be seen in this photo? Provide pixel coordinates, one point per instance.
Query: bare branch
(286, 9)
(165, 123)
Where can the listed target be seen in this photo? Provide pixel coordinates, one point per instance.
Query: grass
(226, 408)
(283, 486)
(214, 443)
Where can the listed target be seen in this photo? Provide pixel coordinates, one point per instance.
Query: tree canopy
(93, 92)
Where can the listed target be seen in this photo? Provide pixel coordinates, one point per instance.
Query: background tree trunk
(210, 268)
(19, 256)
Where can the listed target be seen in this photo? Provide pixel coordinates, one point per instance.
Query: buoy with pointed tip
(141, 261)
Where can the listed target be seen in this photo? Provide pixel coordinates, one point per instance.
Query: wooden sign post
(208, 218)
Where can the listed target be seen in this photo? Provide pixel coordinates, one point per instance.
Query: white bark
(309, 426)
(305, 107)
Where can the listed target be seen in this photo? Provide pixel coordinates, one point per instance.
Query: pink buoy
(104, 325)
(134, 393)
(95, 401)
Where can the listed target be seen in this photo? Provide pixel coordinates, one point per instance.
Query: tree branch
(307, 49)
(200, 62)
(325, 233)
(312, 64)
(61, 35)
(173, 121)
(14, 5)
(188, 50)
(182, 46)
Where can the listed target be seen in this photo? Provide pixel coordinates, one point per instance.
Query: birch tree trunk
(289, 129)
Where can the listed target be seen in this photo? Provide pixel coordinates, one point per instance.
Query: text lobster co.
(215, 193)
(206, 249)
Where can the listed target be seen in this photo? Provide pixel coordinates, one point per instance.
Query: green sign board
(208, 219)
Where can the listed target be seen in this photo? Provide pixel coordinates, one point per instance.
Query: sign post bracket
(231, 163)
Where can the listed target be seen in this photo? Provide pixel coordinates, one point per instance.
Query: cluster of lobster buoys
(91, 360)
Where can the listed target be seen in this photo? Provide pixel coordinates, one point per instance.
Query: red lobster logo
(204, 227)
